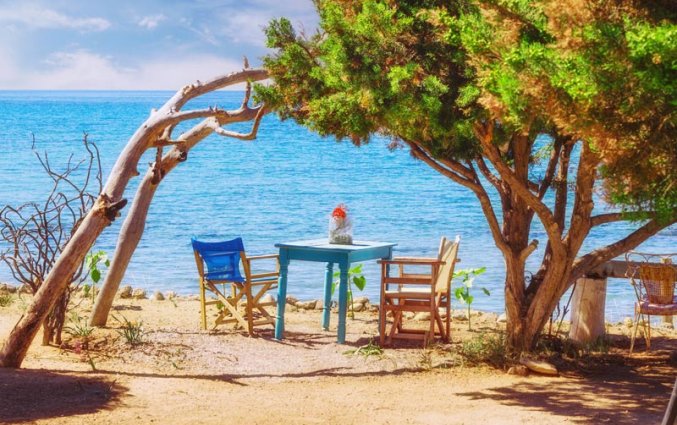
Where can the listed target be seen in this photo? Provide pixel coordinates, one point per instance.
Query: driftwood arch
(157, 132)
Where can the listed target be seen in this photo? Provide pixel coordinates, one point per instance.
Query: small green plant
(94, 262)
(485, 349)
(462, 293)
(355, 277)
(6, 300)
(132, 332)
(368, 350)
(78, 328)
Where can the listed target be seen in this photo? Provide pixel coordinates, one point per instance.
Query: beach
(180, 373)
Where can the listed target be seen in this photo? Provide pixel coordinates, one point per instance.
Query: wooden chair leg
(382, 324)
(203, 306)
(249, 309)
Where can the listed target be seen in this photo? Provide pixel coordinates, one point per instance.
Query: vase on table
(340, 226)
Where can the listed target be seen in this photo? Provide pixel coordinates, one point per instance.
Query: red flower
(339, 211)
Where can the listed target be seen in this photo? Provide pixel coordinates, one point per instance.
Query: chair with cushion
(238, 297)
(427, 292)
(655, 296)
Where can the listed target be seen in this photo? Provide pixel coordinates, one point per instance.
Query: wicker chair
(655, 296)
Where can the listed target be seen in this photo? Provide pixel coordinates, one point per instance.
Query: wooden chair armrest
(262, 257)
(412, 261)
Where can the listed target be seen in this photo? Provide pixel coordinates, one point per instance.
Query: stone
(6, 287)
(292, 300)
(139, 294)
(502, 318)
(373, 308)
(459, 317)
(361, 300)
(539, 366)
(170, 295)
(267, 299)
(490, 317)
(157, 296)
(306, 305)
(125, 292)
(422, 316)
(357, 307)
(519, 370)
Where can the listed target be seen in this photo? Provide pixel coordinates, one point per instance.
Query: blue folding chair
(222, 261)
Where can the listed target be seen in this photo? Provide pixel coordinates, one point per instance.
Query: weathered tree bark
(156, 132)
(134, 225)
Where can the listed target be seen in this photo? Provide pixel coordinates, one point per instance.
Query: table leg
(326, 307)
(281, 297)
(343, 303)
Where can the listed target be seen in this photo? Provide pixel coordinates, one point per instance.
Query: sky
(134, 45)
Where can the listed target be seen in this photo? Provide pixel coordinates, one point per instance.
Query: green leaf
(486, 291)
(96, 275)
(333, 287)
(360, 282)
(459, 293)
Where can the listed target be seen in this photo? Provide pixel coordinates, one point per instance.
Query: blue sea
(280, 187)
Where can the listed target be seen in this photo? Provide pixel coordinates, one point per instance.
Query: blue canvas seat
(218, 266)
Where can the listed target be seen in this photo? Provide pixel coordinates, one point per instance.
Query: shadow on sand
(27, 395)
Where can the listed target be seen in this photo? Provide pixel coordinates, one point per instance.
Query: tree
(470, 86)
(156, 132)
(134, 224)
(36, 232)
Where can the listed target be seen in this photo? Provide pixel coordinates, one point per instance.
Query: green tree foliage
(468, 86)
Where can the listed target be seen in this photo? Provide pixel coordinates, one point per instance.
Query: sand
(181, 374)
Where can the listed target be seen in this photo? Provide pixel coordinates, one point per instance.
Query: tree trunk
(130, 235)
(155, 131)
(17, 344)
(135, 222)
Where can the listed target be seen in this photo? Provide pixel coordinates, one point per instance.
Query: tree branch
(605, 218)
(601, 255)
(484, 133)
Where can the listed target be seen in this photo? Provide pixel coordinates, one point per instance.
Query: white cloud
(82, 69)
(150, 22)
(34, 16)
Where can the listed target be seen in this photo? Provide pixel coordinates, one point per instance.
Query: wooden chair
(655, 296)
(418, 292)
(222, 261)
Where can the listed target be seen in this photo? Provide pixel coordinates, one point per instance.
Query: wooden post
(587, 313)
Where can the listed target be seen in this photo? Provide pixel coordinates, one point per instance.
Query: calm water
(280, 187)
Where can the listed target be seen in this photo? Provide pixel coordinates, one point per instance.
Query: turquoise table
(322, 251)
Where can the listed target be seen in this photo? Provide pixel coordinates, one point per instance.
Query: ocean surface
(280, 187)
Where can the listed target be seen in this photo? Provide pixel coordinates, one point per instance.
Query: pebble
(6, 287)
(292, 300)
(306, 305)
(139, 294)
(125, 292)
(422, 316)
(539, 366)
(170, 295)
(157, 296)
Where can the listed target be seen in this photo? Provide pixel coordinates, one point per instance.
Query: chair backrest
(222, 259)
(659, 282)
(448, 252)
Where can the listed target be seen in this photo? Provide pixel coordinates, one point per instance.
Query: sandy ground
(181, 374)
